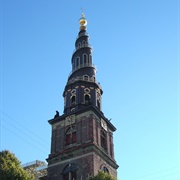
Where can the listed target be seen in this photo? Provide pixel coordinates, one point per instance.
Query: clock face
(103, 124)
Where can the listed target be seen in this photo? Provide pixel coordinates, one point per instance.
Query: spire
(82, 22)
(82, 90)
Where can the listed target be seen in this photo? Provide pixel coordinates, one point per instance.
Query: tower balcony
(84, 78)
(82, 46)
(82, 66)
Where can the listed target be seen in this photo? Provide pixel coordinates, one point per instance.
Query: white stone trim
(68, 160)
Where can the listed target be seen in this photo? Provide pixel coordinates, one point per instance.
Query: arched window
(98, 104)
(105, 169)
(103, 139)
(69, 172)
(73, 100)
(87, 98)
(90, 59)
(74, 63)
(93, 78)
(77, 61)
(79, 45)
(83, 43)
(98, 97)
(86, 77)
(85, 59)
(70, 136)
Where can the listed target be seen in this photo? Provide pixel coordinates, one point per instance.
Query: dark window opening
(85, 59)
(69, 173)
(86, 77)
(83, 43)
(94, 78)
(73, 100)
(72, 176)
(103, 139)
(90, 59)
(74, 63)
(77, 61)
(105, 169)
(98, 104)
(87, 99)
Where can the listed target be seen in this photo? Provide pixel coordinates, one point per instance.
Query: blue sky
(136, 50)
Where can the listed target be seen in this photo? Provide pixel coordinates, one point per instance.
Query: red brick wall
(84, 153)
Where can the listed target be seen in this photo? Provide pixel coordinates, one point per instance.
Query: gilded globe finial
(82, 20)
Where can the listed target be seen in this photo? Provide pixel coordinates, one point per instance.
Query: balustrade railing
(84, 78)
(82, 46)
(82, 66)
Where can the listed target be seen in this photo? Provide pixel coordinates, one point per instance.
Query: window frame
(70, 136)
(70, 170)
(103, 139)
(73, 100)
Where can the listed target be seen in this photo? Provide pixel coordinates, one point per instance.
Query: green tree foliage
(10, 167)
(102, 176)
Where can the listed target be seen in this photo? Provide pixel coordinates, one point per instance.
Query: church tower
(82, 137)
